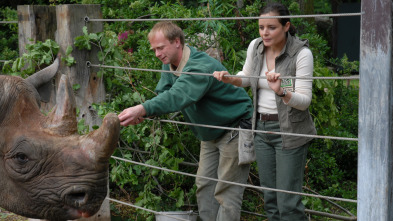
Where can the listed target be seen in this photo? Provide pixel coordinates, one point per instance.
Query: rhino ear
(45, 75)
(62, 120)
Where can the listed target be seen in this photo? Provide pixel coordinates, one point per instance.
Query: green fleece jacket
(201, 99)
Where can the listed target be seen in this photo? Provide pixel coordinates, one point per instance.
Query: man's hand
(222, 76)
(225, 77)
(132, 115)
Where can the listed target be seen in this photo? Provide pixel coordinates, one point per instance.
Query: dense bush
(8, 35)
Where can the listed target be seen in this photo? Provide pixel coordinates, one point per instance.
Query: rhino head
(47, 170)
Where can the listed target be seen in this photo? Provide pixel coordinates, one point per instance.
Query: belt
(267, 117)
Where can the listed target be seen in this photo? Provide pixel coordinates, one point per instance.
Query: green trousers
(280, 169)
(219, 159)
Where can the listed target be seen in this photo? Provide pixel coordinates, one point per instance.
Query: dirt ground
(8, 216)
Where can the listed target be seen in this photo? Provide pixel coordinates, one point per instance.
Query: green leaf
(68, 50)
(84, 30)
(154, 172)
(70, 60)
(76, 87)
(93, 36)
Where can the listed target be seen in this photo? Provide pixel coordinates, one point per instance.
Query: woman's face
(271, 31)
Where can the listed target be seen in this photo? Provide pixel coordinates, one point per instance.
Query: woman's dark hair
(280, 10)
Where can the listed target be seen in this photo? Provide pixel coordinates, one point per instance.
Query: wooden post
(38, 23)
(375, 165)
(63, 23)
(70, 21)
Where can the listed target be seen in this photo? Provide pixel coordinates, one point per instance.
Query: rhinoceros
(47, 170)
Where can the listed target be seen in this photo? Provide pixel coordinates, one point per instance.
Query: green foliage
(345, 67)
(37, 56)
(8, 35)
(69, 60)
(322, 7)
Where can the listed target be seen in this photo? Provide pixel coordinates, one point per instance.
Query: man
(202, 100)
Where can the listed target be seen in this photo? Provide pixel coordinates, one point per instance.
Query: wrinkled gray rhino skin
(47, 170)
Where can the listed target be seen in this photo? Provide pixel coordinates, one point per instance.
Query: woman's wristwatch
(284, 93)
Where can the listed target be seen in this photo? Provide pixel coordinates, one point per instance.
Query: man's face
(167, 52)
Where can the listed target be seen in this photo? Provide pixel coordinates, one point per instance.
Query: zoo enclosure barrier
(376, 58)
(88, 63)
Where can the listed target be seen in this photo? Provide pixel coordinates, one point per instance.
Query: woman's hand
(274, 82)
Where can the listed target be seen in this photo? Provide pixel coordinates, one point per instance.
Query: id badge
(287, 84)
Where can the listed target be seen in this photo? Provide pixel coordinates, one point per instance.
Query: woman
(281, 105)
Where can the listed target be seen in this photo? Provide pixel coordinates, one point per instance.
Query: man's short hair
(170, 30)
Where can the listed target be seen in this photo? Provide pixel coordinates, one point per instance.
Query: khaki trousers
(219, 159)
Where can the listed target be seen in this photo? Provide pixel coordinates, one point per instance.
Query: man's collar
(183, 61)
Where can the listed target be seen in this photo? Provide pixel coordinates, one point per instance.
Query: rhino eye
(21, 158)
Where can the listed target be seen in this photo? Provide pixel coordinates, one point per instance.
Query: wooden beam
(70, 21)
(375, 163)
(38, 23)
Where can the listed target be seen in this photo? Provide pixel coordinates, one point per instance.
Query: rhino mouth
(68, 212)
(73, 213)
(78, 202)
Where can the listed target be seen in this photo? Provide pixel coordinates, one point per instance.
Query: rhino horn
(100, 144)
(45, 75)
(62, 120)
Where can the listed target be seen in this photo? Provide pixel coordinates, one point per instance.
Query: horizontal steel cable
(148, 210)
(256, 131)
(87, 19)
(218, 127)
(234, 183)
(243, 211)
(210, 75)
(8, 22)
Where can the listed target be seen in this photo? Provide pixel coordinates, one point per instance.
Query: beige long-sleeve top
(301, 96)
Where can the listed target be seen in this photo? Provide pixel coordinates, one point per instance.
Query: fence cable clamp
(88, 64)
(87, 19)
